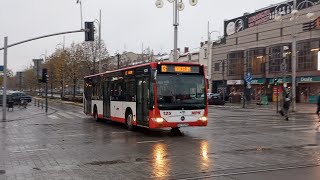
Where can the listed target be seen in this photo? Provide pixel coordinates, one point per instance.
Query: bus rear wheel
(129, 122)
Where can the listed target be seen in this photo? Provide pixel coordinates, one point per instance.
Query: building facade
(261, 44)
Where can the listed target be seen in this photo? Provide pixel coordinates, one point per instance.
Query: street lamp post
(99, 43)
(118, 58)
(177, 6)
(62, 71)
(209, 63)
(79, 2)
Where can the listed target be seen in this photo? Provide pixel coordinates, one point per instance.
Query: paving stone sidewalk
(21, 113)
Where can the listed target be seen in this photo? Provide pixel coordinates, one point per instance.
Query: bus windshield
(177, 92)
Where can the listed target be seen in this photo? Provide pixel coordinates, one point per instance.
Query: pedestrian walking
(286, 106)
(318, 104)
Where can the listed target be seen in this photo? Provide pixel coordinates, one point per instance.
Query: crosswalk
(67, 115)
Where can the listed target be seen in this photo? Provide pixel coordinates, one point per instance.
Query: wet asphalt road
(237, 144)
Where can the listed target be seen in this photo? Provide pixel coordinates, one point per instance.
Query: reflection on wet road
(70, 145)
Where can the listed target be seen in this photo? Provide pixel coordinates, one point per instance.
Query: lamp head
(181, 6)
(159, 3)
(294, 12)
(193, 2)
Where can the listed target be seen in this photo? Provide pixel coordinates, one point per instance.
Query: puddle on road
(2, 172)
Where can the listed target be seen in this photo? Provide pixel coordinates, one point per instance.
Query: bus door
(88, 98)
(106, 99)
(143, 92)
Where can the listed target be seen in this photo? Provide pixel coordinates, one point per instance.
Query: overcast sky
(126, 24)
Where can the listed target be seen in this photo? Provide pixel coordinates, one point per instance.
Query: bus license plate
(183, 125)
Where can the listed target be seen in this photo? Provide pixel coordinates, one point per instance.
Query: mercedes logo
(182, 118)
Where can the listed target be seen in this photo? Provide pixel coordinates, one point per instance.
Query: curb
(260, 109)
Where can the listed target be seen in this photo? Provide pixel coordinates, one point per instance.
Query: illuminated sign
(164, 68)
(178, 69)
(130, 72)
(183, 69)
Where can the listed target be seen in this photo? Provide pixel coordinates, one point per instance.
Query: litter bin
(10, 105)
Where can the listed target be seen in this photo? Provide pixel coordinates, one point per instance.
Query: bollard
(38, 102)
(35, 102)
(42, 104)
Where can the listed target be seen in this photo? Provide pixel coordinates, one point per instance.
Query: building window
(216, 66)
(235, 63)
(307, 55)
(256, 60)
(276, 56)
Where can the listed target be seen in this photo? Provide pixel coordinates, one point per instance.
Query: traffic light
(89, 33)
(275, 82)
(44, 78)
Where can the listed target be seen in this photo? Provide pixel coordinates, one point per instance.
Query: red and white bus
(152, 95)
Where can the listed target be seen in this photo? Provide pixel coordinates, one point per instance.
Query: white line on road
(144, 142)
(78, 115)
(53, 117)
(120, 132)
(65, 115)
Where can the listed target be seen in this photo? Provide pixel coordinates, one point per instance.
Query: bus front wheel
(129, 122)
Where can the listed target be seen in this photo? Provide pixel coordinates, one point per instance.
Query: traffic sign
(248, 77)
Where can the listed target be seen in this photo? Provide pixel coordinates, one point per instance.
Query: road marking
(144, 142)
(75, 135)
(78, 115)
(300, 129)
(31, 150)
(65, 115)
(53, 117)
(120, 132)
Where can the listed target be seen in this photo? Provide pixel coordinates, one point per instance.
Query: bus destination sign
(179, 69)
(183, 69)
(129, 72)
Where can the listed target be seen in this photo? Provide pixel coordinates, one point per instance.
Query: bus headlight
(204, 118)
(158, 120)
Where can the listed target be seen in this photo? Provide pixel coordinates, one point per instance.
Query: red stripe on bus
(121, 120)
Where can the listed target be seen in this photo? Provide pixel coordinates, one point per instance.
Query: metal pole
(175, 24)
(244, 87)
(46, 96)
(81, 14)
(45, 36)
(294, 62)
(283, 78)
(100, 68)
(4, 95)
(118, 55)
(277, 99)
(209, 59)
(224, 85)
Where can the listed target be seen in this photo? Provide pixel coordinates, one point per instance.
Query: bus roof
(152, 64)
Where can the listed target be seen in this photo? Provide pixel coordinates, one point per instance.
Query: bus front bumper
(165, 124)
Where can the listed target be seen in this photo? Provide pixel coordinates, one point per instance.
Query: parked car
(17, 96)
(209, 95)
(216, 99)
